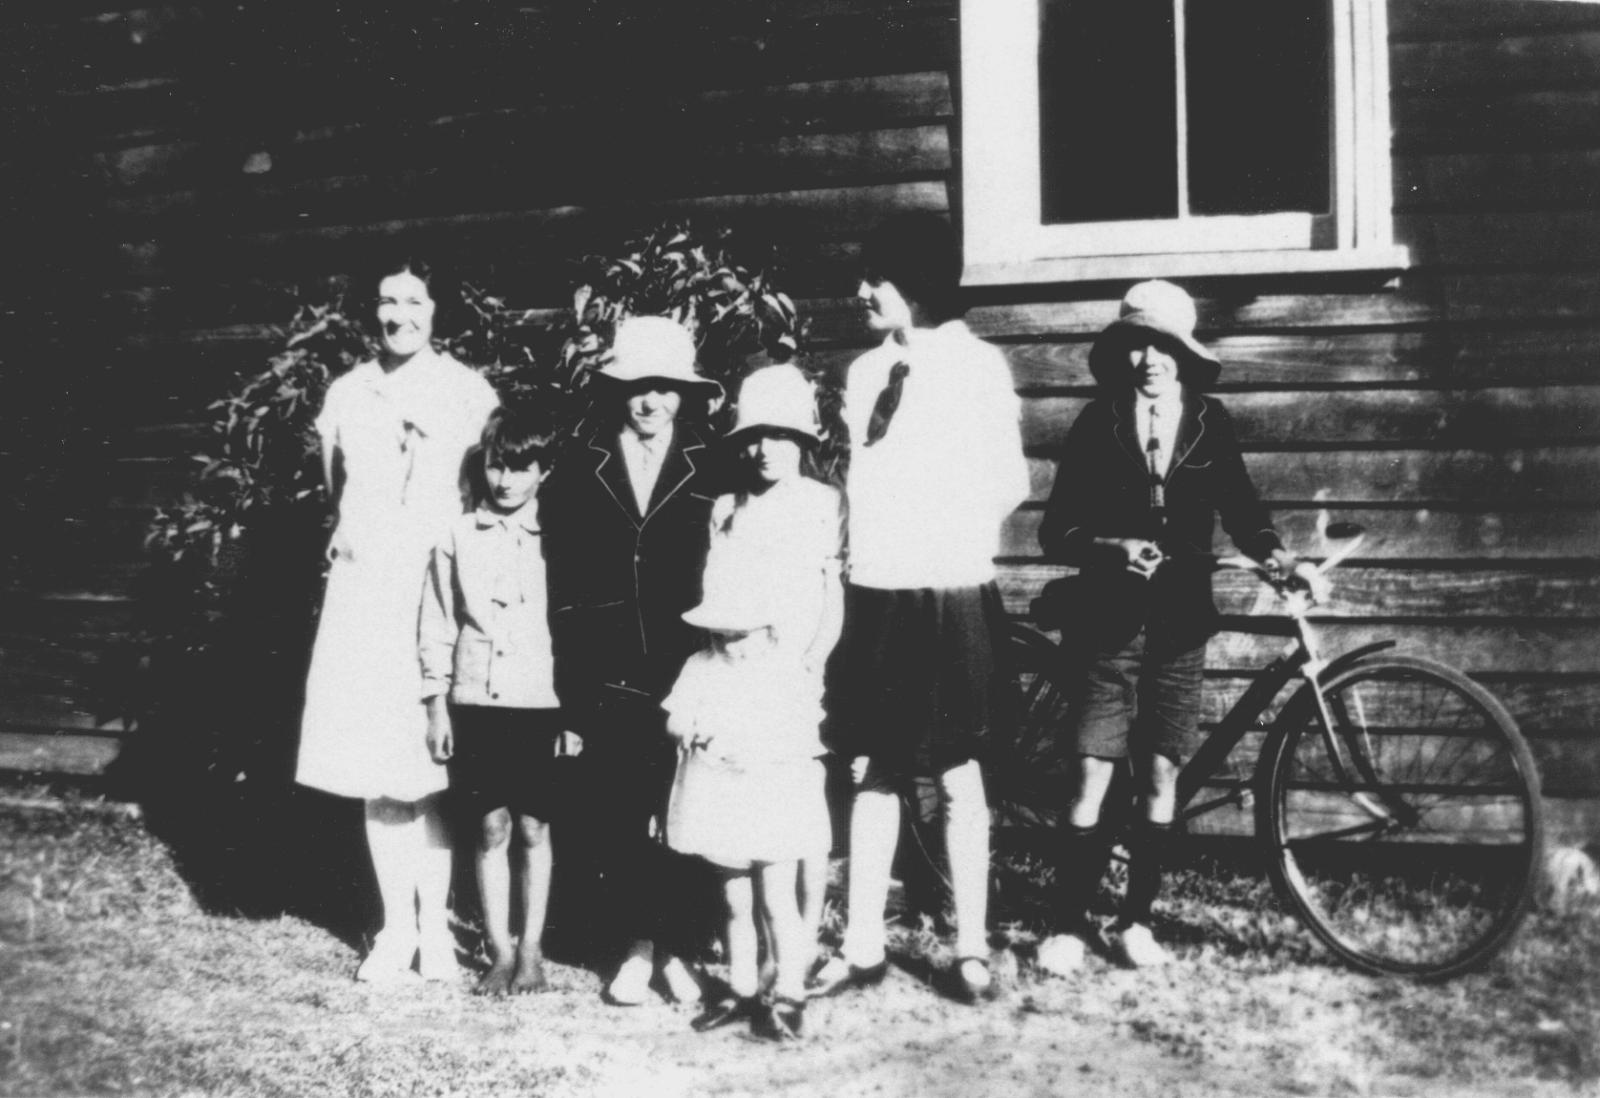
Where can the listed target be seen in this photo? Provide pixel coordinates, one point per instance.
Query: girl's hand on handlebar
(1284, 568)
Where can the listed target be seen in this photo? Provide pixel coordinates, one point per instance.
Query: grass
(114, 979)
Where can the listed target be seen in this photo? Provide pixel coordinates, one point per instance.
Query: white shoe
(631, 985)
(680, 981)
(389, 959)
(1061, 954)
(1138, 947)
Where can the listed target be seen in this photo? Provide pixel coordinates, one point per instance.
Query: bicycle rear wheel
(1407, 831)
(1027, 775)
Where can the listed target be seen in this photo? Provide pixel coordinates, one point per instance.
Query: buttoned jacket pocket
(474, 653)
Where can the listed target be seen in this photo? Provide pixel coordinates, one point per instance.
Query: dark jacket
(1102, 490)
(620, 581)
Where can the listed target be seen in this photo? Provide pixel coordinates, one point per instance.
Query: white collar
(656, 445)
(526, 516)
(1169, 403)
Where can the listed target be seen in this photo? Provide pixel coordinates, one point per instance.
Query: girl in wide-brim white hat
(747, 709)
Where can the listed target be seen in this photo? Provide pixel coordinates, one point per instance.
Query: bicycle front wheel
(1403, 817)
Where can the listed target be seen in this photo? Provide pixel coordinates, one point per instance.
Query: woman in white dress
(394, 432)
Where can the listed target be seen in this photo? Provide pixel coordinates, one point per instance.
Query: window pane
(1259, 80)
(1107, 110)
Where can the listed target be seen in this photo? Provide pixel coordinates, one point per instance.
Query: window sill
(1106, 268)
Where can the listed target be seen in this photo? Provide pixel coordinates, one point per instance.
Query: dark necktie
(1152, 449)
(883, 408)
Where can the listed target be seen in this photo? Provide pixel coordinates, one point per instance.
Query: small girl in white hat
(747, 709)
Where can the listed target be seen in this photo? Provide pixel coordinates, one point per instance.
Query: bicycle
(1397, 801)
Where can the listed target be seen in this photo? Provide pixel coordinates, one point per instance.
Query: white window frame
(1006, 242)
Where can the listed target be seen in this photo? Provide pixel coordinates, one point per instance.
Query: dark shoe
(971, 980)
(724, 1012)
(782, 1020)
(836, 975)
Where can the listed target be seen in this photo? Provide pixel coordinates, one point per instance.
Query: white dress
(754, 793)
(400, 438)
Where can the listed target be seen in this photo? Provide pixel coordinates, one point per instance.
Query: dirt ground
(113, 981)
(269, 1008)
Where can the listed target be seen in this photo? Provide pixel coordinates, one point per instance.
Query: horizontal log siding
(1455, 412)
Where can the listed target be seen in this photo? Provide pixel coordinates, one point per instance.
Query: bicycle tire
(1027, 774)
(1415, 854)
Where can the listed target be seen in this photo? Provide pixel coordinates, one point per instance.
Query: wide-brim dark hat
(1154, 309)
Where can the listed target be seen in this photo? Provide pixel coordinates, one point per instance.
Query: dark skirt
(912, 684)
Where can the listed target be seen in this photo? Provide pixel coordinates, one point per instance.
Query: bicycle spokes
(1404, 818)
(1027, 773)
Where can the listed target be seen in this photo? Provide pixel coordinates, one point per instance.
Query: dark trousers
(640, 888)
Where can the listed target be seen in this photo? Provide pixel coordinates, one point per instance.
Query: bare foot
(529, 979)
(497, 981)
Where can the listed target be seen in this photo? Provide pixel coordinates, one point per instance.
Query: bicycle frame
(1241, 719)
(1299, 659)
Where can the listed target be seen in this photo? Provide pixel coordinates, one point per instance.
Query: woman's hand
(339, 546)
(569, 745)
(441, 736)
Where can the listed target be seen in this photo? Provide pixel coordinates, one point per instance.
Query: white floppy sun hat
(1162, 309)
(654, 348)
(777, 400)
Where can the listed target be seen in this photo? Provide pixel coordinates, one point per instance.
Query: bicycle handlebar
(1283, 584)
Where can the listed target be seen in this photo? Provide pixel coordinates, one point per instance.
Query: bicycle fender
(1300, 703)
(1339, 663)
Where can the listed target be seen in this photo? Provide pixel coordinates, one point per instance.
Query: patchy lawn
(113, 980)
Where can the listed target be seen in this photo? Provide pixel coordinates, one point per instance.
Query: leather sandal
(724, 1012)
(781, 1020)
(836, 976)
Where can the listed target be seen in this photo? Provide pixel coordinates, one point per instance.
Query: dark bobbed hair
(743, 478)
(516, 436)
(442, 287)
(917, 252)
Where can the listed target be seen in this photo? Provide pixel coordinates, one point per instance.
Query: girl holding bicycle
(1145, 472)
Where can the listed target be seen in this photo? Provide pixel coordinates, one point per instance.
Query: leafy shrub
(263, 460)
(735, 314)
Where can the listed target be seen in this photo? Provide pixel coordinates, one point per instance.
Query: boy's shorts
(505, 758)
(1141, 698)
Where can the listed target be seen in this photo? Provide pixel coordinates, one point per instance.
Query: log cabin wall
(180, 173)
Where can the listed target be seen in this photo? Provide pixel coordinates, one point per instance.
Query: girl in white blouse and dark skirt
(936, 465)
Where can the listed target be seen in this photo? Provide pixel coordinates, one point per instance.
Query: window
(1130, 138)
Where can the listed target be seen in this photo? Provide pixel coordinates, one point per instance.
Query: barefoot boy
(488, 683)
